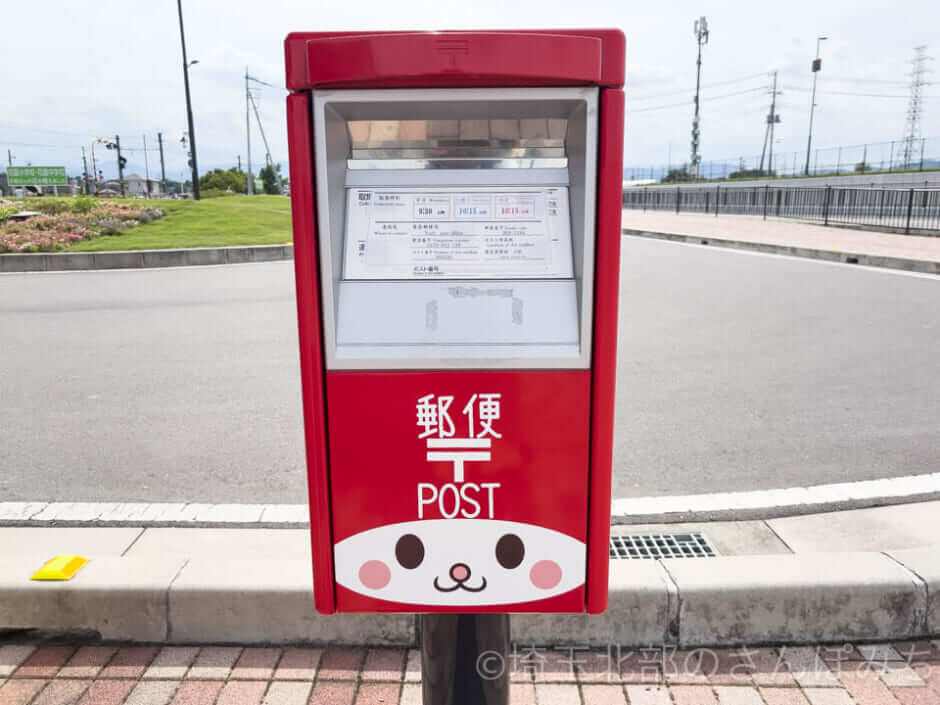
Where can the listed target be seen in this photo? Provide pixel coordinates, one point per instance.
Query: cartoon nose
(459, 572)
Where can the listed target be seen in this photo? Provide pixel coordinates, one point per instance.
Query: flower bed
(64, 221)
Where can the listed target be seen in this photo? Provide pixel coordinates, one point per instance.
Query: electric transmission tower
(914, 106)
(701, 37)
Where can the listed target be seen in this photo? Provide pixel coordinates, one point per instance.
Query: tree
(224, 180)
(676, 176)
(751, 174)
(270, 176)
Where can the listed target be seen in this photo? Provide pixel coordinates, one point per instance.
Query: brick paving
(905, 673)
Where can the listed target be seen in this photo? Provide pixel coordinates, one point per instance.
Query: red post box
(456, 206)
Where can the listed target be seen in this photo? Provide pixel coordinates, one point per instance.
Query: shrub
(89, 218)
(50, 206)
(83, 204)
(214, 193)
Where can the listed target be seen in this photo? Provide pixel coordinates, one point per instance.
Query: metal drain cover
(690, 545)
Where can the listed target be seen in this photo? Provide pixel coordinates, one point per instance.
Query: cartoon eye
(510, 551)
(409, 551)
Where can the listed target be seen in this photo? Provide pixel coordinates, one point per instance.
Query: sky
(73, 71)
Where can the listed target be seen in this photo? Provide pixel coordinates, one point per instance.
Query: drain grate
(691, 545)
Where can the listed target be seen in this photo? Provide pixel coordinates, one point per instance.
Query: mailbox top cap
(496, 58)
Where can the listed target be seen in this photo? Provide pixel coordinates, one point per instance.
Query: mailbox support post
(464, 659)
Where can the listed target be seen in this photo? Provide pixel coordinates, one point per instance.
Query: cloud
(73, 71)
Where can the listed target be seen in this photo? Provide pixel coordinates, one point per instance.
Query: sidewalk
(789, 236)
(113, 674)
(860, 575)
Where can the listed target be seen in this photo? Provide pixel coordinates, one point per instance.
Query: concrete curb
(139, 259)
(906, 264)
(716, 506)
(735, 600)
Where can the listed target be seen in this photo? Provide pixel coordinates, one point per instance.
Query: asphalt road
(737, 371)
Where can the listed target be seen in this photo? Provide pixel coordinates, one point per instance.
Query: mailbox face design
(460, 562)
(456, 229)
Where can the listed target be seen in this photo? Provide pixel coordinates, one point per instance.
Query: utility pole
(772, 119)
(250, 185)
(146, 168)
(121, 160)
(701, 37)
(9, 158)
(84, 172)
(189, 107)
(912, 122)
(94, 167)
(817, 65)
(162, 167)
(239, 162)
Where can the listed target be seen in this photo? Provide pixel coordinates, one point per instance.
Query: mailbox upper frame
(490, 58)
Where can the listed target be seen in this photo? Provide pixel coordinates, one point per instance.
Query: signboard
(442, 233)
(36, 176)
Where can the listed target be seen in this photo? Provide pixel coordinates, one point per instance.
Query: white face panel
(446, 233)
(460, 562)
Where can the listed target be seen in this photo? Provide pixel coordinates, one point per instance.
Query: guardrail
(896, 209)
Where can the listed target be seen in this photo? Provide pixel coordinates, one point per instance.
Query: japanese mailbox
(456, 211)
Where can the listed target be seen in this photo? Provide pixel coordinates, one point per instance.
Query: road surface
(737, 371)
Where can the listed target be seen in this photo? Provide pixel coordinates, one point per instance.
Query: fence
(895, 209)
(874, 157)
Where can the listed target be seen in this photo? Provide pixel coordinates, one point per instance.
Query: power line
(685, 103)
(704, 85)
(867, 80)
(860, 95)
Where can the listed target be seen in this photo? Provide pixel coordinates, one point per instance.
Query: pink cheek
(545, 574)
(375, 575)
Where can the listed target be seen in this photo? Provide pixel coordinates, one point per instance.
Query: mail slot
(456, 215)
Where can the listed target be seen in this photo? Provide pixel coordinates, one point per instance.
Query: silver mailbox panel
(456, 227)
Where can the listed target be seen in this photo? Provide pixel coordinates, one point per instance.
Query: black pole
(162, 167)
(117, 146)
(465, 659)
(910, 208)
(189, 107)
(85, 172)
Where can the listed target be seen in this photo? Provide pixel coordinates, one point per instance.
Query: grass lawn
(212, 222)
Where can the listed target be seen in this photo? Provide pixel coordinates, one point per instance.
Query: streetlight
(189, 105)
(817, 64)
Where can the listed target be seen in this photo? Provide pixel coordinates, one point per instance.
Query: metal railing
(895, 209)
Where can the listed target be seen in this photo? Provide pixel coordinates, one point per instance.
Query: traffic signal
(122, 161)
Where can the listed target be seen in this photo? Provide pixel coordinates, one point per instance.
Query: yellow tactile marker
(60, 568)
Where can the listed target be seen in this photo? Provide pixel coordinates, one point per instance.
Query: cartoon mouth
(460, 586)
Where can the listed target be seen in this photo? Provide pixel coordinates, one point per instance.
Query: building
(135, 185)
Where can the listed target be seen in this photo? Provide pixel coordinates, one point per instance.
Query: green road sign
(36, 176)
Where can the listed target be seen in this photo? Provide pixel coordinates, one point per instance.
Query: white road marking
(754, 504)
(776, 502)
